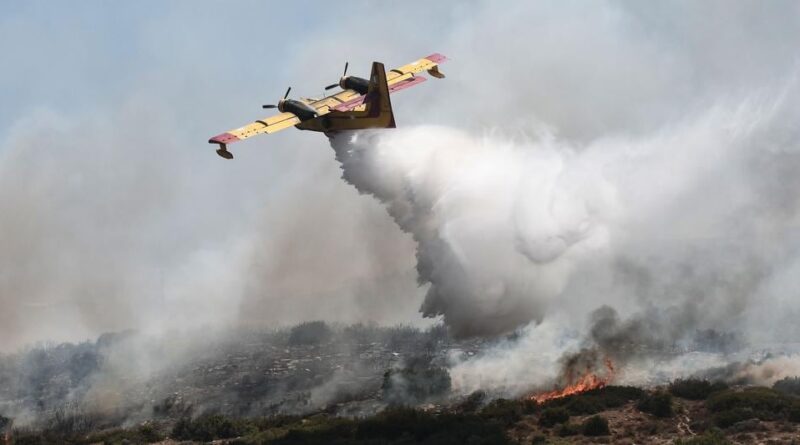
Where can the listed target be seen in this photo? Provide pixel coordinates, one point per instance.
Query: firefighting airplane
(361, 104)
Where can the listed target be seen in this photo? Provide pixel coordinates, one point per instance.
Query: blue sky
(87, 55)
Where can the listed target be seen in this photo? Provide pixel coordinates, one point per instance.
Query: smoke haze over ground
(634, 156)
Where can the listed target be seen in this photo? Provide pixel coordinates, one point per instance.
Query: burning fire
(586, 381)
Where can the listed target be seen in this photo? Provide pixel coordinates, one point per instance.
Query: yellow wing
(398, 79)
(429, 64)
(266, 125)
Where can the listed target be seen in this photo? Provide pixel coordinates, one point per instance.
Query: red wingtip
(436, 58)
(224, 138)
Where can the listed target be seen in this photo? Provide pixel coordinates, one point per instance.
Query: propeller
(284, 98)
(346, 64)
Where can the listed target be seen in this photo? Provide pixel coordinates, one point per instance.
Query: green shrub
(568, 429)
(139, 435)
(581, 405)
(71, 421)
(206, 428)
(553, 416)
(149, 434)
(67, 424)
(595, 426)
(399, 423)
(794, 412)
(508, 412)
(754, 398)
(658, 404)
(789, 386)
(539, 439)
(400, 426)
(416, 382)
(731, 406)
(597, 400)
(473, 402)
(22, 437)
(710, 437)
(695, 389)
(724, 419)
(310, 333)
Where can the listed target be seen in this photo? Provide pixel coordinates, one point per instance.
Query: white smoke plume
(497, 223)
(680, 229)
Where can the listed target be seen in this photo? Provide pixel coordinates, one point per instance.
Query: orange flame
(587, 381)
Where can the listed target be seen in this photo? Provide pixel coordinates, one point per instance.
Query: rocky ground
(692, 424)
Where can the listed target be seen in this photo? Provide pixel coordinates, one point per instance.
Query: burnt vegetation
(310, 367)
(318, 383)
(417, 381)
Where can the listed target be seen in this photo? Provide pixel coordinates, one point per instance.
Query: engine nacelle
(354, 83)
(302, 110)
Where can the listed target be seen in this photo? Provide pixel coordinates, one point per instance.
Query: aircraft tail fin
(377, 100)
(373, 110)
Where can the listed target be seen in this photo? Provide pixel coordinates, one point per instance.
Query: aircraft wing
(398, 79)
(266, 125)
